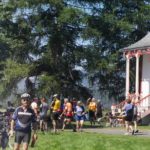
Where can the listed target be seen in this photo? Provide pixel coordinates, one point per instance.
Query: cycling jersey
(23, 119)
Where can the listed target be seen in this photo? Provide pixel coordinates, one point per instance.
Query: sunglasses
(25, 99)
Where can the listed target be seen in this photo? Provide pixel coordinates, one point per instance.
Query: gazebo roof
(142, 44)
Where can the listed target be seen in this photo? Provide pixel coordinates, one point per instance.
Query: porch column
(137, 55)
(127, 75)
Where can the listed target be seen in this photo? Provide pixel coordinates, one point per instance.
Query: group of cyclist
(36, 114)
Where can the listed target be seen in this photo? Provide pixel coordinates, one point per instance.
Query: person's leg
(81, 124)
(58, 122)
(18, 140)
(69, 123)
(90, 117)
(127, 127)
(16, 146)
(131, 127)
(135, 126)
(34, 139)
(26, 140)
(54, 121)
(54, 125)
(25, 146)
(77, 125)
(64, 124)
(94, 117)
(45, 125)
(41, 124)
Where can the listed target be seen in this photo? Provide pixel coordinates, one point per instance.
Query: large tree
(50, 37)
(43, 34)
(112, 25)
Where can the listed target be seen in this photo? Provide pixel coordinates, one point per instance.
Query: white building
(141, 52)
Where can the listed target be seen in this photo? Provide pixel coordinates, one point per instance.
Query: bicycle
(5, 139)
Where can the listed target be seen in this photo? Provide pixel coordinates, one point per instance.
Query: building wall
(145, 85)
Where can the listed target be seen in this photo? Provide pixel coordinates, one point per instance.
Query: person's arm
(64, 111)
(52, 105)
(12, 124)
(96, 109)
(12, 127)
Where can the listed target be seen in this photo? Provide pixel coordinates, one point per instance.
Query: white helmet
(25, 95)
(55, 95)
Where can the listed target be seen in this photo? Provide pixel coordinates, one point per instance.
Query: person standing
(22, 120)
(128, 116)
(56, 109)
(113, 110)
(43, 114)
(80, 115)
(67, 112)
(92, 109)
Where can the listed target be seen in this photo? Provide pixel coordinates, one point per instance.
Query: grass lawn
(90, 141)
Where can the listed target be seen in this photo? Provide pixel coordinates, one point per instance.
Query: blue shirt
(128, 107)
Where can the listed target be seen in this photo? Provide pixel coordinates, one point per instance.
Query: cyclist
(56, 109)
(43, 114)
(67, 112)
(22, 120)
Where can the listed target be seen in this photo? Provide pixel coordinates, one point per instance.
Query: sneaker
(136, 131)
(133, 132)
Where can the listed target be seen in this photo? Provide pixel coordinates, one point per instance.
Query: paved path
(118, 131)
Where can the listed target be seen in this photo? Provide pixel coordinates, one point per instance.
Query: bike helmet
(25, 95)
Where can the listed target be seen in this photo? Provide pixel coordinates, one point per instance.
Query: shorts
(22, 137)
(79, 118)
(128, 118)
(43, 118)
(91, 115)
(68, 117)
(55, 115)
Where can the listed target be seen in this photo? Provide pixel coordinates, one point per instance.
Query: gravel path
(118, 131)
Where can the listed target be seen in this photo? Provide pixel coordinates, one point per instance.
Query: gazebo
(141, 52)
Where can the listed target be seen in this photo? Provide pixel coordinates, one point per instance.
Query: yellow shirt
(57, 105)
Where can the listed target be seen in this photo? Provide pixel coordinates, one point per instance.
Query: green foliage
(48, 85)
(13, 72)
(112, 25)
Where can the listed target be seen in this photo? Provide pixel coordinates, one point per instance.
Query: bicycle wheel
(4, 139)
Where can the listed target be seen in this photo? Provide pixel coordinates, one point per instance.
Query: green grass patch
(90, 141)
